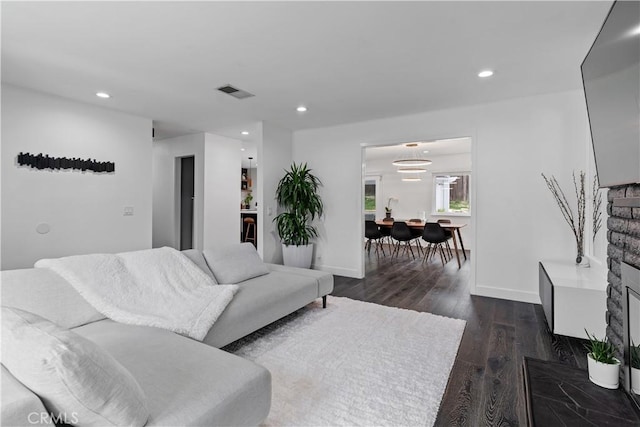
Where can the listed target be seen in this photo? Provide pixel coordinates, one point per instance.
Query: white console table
(573, 298)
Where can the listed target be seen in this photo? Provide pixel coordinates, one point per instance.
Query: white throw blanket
(155, 287)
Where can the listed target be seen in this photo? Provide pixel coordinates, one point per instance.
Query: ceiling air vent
(235, 92)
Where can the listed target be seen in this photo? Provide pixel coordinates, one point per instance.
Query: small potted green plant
(247, 201)
(635, 367)
(604, 368)
(387, 209)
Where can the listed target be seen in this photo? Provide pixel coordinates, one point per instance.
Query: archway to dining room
(417, 183)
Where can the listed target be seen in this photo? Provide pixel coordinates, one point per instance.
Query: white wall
(216, 191)
(84, 210)
(274, 154)
(596, 248)
(414, 197)
(517, 222)
(1, 183)
(222, 191)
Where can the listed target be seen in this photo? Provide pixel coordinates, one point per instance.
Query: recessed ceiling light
(103, 95)
(485, 73)
(244, 132)
(301, 109)
(242, 149)
(425, 151)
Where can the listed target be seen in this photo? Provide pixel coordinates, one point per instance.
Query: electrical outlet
(128, 211)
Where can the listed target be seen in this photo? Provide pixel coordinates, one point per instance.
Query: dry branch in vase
(597, 205)
(576, 222)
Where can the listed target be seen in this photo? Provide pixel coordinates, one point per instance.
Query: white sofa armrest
(324, 279)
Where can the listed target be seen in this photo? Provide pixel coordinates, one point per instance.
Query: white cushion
(235, 263)
(198, 259)
(71, 375)
(186, 382)
(20, 407)
(45, 293)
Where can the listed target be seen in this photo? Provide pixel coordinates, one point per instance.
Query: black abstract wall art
(44, 161)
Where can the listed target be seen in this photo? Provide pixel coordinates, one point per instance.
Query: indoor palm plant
(297, 194)
(604, 368)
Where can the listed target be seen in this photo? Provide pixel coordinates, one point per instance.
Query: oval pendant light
(413, 159)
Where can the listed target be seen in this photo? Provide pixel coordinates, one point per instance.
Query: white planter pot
(603, 374)
(635, 380)
(297, 256)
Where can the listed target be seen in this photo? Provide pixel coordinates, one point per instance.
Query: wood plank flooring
(485, 387)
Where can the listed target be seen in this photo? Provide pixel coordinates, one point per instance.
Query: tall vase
(581, 260)
(580, 252)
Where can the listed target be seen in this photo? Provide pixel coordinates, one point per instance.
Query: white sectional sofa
(185, 382)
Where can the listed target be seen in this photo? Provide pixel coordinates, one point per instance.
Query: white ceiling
(441, 147)
(346, 61)
(379, 160)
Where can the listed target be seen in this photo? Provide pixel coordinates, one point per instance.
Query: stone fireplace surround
(623, 235)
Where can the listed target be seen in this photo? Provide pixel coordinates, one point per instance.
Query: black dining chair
(434, 235)
(401, 233)
(417, 234)
(373, 234)
(386, 234)
(386, 230)
(449, 235)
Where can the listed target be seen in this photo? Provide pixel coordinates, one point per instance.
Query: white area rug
(355, 363)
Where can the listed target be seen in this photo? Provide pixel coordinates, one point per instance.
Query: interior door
(186, 202)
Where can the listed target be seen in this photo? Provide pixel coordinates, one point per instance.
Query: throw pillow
(198, 259)
(75, 379)
(235, 263)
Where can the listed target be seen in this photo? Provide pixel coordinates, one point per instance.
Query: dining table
(452, 226)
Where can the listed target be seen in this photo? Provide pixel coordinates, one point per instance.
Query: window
(451, 193)
(372, 196)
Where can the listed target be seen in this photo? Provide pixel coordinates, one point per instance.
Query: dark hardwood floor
(485, 386)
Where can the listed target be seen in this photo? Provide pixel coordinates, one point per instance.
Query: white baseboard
(339, 271)
(509, 294)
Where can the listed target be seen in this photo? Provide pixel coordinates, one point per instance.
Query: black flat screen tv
(611, 79)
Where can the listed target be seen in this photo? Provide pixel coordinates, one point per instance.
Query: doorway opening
(187, 187)
(418, 183)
